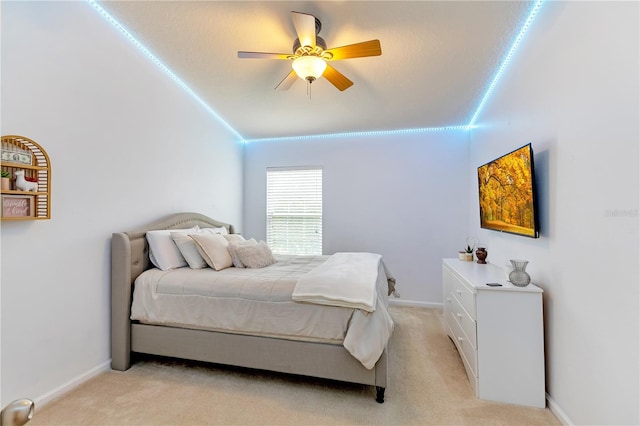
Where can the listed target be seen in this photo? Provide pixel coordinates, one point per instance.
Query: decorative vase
(481, 254)
(519, 276)
(468, 257)
(6, 184)
(461, 255)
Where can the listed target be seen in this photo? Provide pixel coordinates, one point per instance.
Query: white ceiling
(438, 58)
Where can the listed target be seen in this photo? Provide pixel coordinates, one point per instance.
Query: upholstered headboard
(130, 258)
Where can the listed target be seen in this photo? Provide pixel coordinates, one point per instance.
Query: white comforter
(323, 286)
(259, 302)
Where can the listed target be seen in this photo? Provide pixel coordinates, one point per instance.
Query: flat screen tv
(507, 194)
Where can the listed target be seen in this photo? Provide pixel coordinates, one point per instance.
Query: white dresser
(498, 332)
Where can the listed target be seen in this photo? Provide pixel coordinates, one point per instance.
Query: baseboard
(73, 383)
(557, 411)
(414, 303)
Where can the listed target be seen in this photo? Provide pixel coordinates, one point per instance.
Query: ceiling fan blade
(358, 50)
(287, 81)
(336, 78)
(305, 28)
(263, 55)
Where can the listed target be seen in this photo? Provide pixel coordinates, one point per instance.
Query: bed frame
(130, 257)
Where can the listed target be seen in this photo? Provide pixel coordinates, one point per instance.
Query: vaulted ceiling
(438, 59)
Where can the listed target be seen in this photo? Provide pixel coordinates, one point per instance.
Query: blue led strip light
(361, 134)
(527, 23)
(163, 67)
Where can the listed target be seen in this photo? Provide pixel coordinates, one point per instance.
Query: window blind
(294, 210)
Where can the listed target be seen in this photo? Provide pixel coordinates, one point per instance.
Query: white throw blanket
(346, 279)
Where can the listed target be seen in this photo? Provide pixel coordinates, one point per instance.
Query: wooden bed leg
(380, 394)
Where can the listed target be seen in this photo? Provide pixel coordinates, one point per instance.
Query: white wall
(573, 92)
(127, 146)
(401, 196)
(122, 136)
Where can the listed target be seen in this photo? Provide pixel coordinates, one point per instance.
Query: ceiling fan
(310, 54)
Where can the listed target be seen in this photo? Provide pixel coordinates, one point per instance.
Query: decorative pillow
(255, 255)
(233, 243)
(233, 238)
(221, 230)
(213, 249)
(189, 250)
(163, 252)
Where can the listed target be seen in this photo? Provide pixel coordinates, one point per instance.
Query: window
(294, 210)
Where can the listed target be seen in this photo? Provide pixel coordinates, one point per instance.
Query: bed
(324, 356)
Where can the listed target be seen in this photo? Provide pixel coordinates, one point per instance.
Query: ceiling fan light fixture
(310, 55)
(309, 67)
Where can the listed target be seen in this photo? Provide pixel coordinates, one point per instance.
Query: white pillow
(213, 249)
(255, 255)
(232, 238)
(163, 252)
(221, 230)
(189, 250)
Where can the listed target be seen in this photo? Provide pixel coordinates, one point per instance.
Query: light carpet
(427, 386)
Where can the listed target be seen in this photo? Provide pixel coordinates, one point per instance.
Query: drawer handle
(460, 339)
(449, 299)
(459, 316)
(459, 292)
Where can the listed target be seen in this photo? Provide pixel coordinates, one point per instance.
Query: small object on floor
(17, 413)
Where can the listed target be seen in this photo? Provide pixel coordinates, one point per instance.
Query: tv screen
(507, 194)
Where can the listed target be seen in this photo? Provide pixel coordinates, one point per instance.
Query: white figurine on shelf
(22, 184)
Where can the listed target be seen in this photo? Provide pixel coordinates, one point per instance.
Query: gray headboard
(130, 258)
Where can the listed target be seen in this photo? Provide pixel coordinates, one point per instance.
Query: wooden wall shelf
(21, 153)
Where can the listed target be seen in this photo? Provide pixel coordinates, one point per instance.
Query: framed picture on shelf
(18, 205)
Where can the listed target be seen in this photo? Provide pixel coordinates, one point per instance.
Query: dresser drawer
(447, 280)
(465, 322)
(467, 352)
(463, 293)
